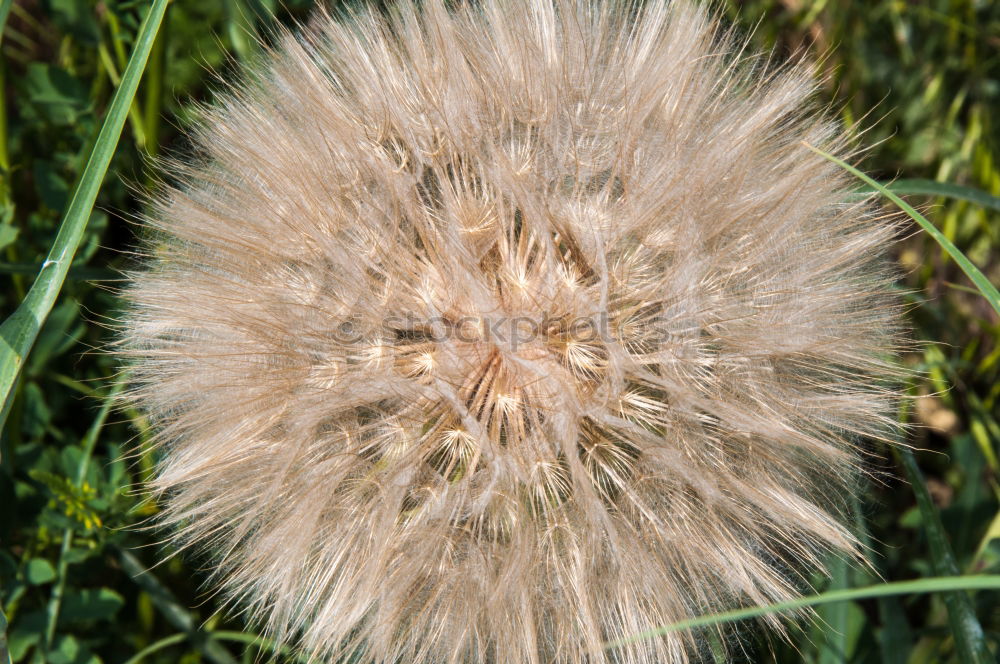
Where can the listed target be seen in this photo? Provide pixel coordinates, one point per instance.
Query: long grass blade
(918, 187)
(970, 641)
(156, 647)
(896, 639)
(987, 289)
(915, 587)
(250, 640)
(18, 333)
(4, 652)
(172, 610)
(261, 643)
(835, 619)
(5, 6)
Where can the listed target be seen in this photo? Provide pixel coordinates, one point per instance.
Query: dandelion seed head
(502, 331)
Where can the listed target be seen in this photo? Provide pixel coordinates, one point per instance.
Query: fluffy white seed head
(498, 332)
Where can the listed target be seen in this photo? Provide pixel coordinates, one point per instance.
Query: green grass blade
(918, 586)
(81, 273)
(917, 187)
(895, 639)
(153, 83)
(261, 643)
(18, 333)
(241, 29)
(5, 6)
(172, 611)
(251, 640)
(157, 647)
(970, 641)
(835, 619)
(987, 289)
(4, 653)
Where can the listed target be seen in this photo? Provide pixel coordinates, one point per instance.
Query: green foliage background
(79, 583)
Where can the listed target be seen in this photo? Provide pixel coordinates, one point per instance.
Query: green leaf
(67, 650)
(987, 289)
(91, 604)
(77, 18)
(37, 415)
(8, 569)
(51, 185)
(55, 92)
(18, 333)
(8, 234)
(39, 571)
(20, 642)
